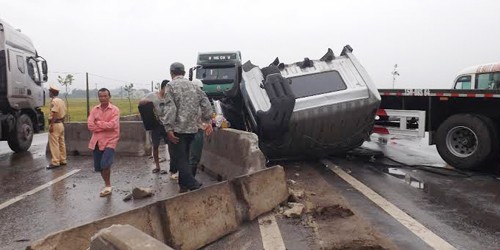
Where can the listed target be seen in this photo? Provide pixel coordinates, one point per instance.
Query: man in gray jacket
(182, 117)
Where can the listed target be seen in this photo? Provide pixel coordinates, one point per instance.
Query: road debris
(139, 193)
(295, 210)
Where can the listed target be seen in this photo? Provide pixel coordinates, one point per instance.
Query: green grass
(77, 107)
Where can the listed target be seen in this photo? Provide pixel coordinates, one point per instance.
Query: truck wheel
(495, 151)
(20, 139)
(466, 141)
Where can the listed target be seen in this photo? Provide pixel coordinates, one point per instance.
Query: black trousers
(179, 157)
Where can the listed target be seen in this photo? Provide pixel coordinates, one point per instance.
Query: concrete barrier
(130, 118)
(146, 219)
(190, 220)
(261, 191)
(198, 218)
(125, 237)
(228, 153)
(134, 140)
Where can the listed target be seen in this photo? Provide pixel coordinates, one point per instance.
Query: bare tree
(129, 89)
(66, 82)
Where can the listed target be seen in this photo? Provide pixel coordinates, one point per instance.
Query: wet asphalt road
(72, 201)
(462, 208)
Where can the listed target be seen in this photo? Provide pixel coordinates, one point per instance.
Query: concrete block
(146, 219)
(125, 237)
(130, 118)
(262, 191)
(229, 153)
(134, 140)
(197, 218)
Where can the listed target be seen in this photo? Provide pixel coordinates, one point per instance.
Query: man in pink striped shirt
(104, 123)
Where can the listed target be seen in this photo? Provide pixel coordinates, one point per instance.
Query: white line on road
(406, 220)
(270, 232)
(48, 184)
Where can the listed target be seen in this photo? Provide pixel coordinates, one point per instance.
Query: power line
(73, 73)
(104, 77)
(117, 80)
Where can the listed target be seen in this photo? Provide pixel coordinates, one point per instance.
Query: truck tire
(467, 141)
(20, 139)
(495, 136)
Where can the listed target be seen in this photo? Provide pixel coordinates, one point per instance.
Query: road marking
(48, 184)
(270, 232)
(406, 220)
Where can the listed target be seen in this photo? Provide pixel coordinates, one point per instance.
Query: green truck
(218, 71)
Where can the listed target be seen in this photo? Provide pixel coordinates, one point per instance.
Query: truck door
(17, 72)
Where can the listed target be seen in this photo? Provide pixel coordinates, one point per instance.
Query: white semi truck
(22, 74)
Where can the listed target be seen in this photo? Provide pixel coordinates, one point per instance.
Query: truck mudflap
(333, 112)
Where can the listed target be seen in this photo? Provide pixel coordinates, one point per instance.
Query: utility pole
(88, 103)
(394, 74)
(151, 86)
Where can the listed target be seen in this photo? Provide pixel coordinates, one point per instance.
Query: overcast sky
(120, 41)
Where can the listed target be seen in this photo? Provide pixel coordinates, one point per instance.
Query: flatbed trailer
(463, 124)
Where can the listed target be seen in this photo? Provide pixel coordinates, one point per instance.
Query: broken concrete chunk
(124, 237)
(299, 194)
(295, 210)
(291, 182)
(139, 193)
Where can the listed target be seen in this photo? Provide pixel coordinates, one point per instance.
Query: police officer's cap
(53, 87)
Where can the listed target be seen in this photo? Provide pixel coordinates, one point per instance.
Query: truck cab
(22, 74)
(218, 71)
(481, 77)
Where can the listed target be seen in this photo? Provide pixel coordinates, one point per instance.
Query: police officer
(181, 121)
(56, 129)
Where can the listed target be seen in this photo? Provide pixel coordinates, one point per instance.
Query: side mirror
(191, 74)
(45, 69)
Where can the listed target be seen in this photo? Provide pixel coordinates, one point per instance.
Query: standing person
(104, 123)
(157, 133)
(184, 101)
(56, 129)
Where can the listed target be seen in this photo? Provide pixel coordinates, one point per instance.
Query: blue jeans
(179, 157)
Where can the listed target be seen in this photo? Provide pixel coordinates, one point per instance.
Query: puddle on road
(407, 178)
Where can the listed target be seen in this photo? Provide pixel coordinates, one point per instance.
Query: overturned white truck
(311, 108)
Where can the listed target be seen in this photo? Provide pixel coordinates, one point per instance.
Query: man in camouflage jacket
(182, 116)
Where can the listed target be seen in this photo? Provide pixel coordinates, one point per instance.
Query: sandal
(106, 191)
(163, 172)
(155, 170)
